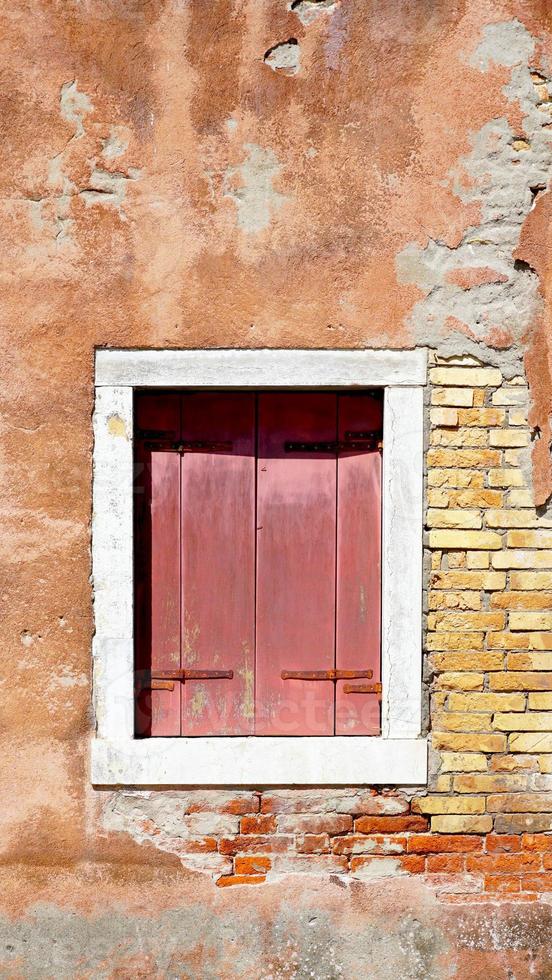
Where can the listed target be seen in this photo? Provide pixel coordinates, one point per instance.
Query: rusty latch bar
(325, 675)
(362, 688)
(190, 446)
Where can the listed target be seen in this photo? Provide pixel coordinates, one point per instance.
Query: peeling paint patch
(247, 707)
(382, 867)
(161, 820)
(251, 187)
(198, 702)
(284, 57)
(103, 186)
(116, 144)
(67, 679)
(116, 426)
(310, 10)
(107, 187)
(507, 44)
(190, 637)
(74, 106)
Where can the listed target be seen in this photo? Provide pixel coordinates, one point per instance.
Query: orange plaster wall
(162, 186)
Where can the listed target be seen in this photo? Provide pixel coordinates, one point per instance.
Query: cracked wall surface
(275, 173)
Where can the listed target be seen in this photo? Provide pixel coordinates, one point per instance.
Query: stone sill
(266, 761)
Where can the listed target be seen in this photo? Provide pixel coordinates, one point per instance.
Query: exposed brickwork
(488, 630)
(480, 828)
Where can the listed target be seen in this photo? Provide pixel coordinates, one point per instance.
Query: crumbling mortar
(426, 571)
(504, 183)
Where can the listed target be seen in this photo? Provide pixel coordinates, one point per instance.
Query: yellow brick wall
(489, 610)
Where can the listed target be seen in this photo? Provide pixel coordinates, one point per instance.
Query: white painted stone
(260, 368)
(114, 689)
(112, 572)
(250, 761)
(402, 497)
(399, 756)
(112, 512)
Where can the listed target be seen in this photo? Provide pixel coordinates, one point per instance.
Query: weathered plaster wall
(238, 173)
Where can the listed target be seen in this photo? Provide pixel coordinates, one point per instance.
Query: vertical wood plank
(218, 563)
(296, 524)
(358, 619)
(157, 528)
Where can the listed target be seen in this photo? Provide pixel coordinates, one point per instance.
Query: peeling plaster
(116, 144)
(104, 187)
(250, 187)
(308, 11)
(284, 57)
(107, 187)
(75, 106)
(478, 298)
(161, 820)
(507, 44)
(302, 937)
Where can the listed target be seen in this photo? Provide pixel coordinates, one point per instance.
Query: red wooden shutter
(257, 563)
(157, 523)
(358, 567)
(218, 563)
(296, 531)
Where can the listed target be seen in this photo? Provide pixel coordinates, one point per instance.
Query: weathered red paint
(218, 563)
(295, 565)
(297, 593)
(358, 580)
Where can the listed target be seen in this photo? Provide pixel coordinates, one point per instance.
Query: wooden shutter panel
(218, 562)
(308, 600)
(296, 537)
(157, 526)
(358, 567)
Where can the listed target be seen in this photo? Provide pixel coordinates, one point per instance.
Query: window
(267, 564)
(258, 563)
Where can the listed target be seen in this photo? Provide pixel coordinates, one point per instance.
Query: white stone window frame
(399, 754)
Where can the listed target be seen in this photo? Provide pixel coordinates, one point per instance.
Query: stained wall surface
(260, 173)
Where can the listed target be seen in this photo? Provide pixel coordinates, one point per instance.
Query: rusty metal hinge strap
(325, 675)
(163, 680)
(362, 688)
